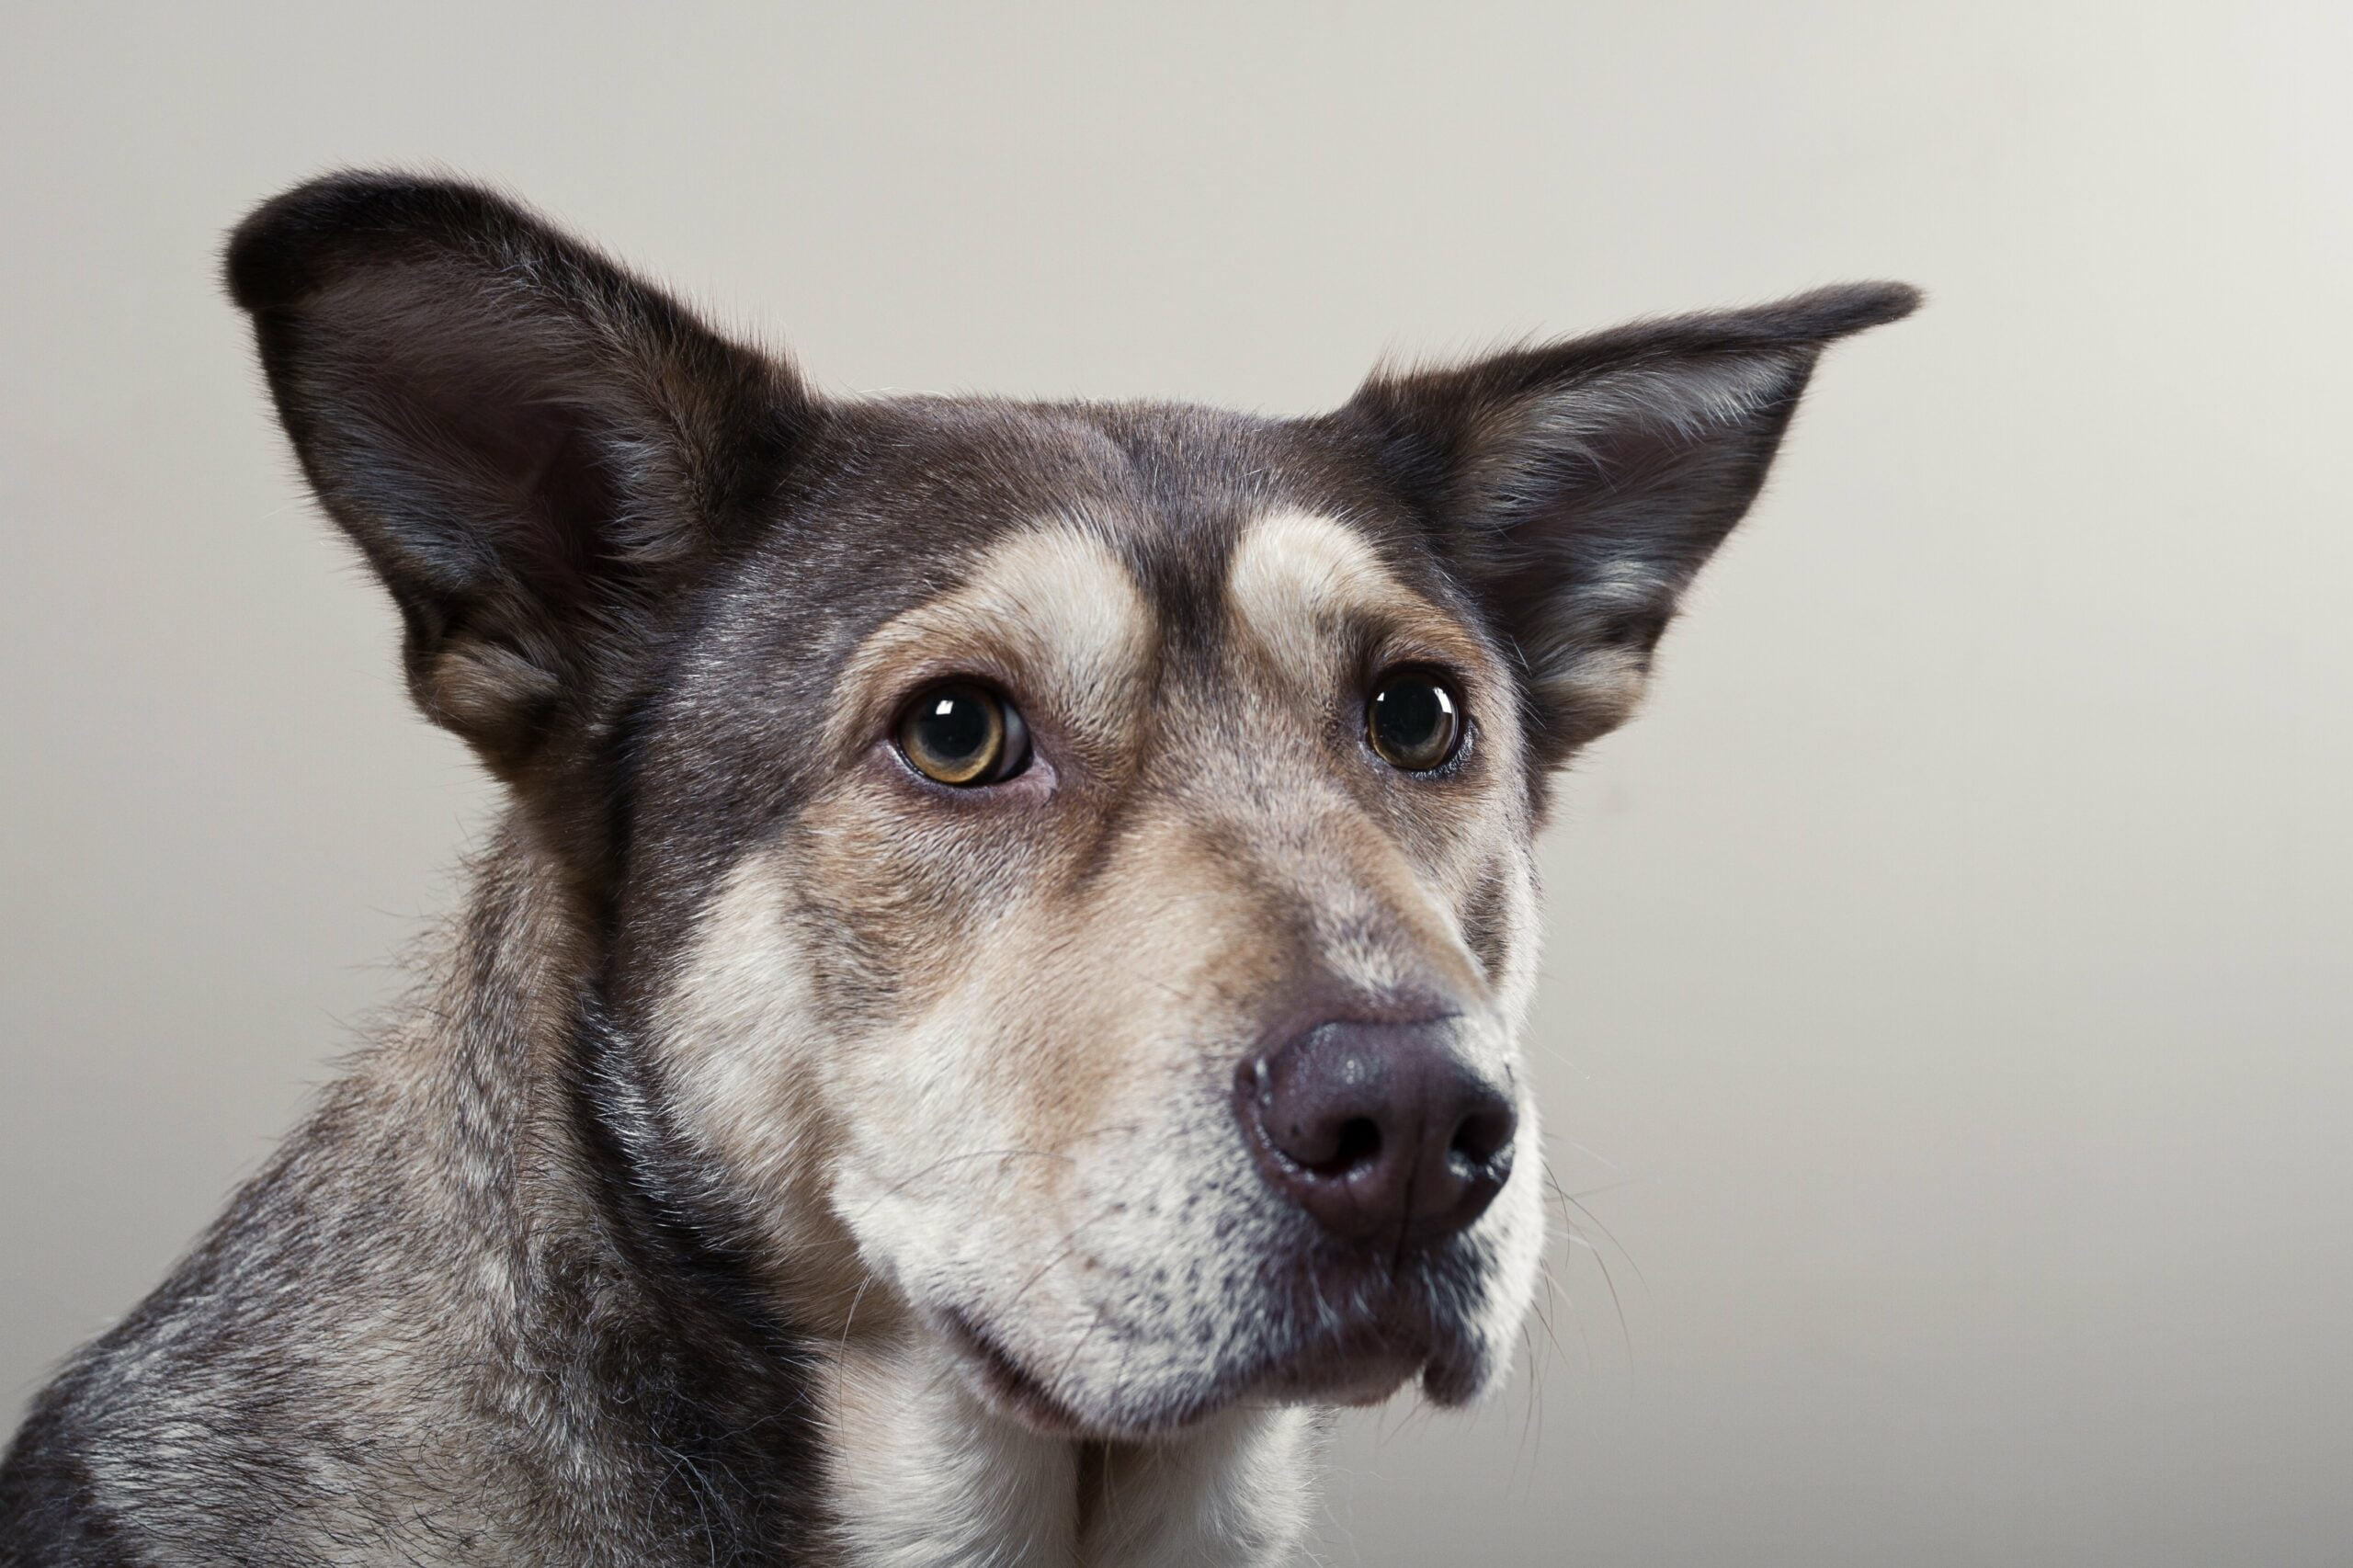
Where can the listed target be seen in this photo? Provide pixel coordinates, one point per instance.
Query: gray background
(1946, 1021)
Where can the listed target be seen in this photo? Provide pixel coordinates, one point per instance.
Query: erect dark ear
(531, 445)
(1579, 487)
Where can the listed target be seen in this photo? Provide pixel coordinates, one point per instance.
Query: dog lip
(1359, 1367)
(1010, 1382)
(1358, 1371)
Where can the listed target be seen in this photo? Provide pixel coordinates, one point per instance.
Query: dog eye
(963, 734)
(1413, 721)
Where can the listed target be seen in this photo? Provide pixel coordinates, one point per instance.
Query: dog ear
(531, 445)
(1579, 487)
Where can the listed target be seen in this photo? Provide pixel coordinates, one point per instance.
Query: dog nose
(1378, 1129)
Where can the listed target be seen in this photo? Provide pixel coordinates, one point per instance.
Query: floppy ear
(1577, 488)
(530, 446)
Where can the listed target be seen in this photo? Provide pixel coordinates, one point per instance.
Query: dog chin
(1361, 1369)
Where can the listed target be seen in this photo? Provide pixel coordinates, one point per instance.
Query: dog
(995, 1000)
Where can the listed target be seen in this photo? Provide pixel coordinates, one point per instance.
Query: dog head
(1063, 870)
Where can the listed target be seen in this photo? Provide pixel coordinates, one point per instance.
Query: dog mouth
(1359, 1362)
(1010, 1385)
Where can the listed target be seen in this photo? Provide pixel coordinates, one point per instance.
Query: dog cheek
(745, 1065)
(905, 903)
(946, 1178)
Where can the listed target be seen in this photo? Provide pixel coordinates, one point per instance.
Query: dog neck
(923, 1473)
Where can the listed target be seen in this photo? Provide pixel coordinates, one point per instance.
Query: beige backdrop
(1947, 1014)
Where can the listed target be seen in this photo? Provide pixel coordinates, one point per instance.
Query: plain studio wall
(1946, 1019)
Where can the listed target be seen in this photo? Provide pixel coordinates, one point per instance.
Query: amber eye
(963, 734)
(1413, 721)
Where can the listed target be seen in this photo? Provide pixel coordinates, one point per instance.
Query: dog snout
(1380, 1131)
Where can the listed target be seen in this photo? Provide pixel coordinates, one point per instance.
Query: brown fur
(792, 1159)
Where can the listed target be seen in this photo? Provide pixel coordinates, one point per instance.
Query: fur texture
(794, 1160)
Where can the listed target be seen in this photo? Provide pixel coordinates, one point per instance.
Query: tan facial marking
(1052, 608)
(744, 1065)
(1297, 580)
(1311, 594)
(950, 917)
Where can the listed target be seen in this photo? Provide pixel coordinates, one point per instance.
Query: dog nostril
(1359, 1146)
(1483, 1135)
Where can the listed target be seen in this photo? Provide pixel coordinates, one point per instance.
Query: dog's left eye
(1415, 721)
(964, 734)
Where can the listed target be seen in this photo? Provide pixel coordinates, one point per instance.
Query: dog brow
(1299, 581)
(1053, 609)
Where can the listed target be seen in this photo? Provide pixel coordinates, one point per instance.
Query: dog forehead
(912, 502)
(981, 504)
(1102, 601)
(1180, 480)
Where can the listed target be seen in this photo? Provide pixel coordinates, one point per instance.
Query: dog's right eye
(963, 734)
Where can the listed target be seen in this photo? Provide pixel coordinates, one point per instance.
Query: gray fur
(502, 1299)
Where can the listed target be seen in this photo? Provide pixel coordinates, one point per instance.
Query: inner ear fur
(1579, 487)
(529, 445)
